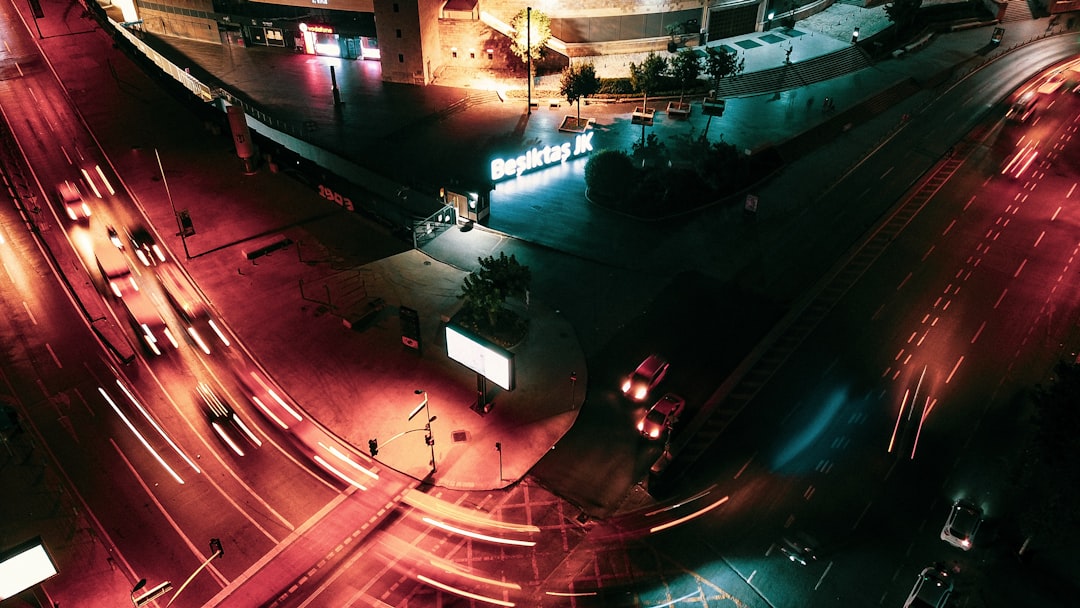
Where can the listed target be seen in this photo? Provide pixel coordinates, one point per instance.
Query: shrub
(609, 174)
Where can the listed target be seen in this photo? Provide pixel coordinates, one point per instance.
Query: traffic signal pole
(216, 551)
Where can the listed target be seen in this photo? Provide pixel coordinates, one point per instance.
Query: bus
(148, 324)
(190, 307)
(115, 271)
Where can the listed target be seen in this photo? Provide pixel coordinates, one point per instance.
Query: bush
(609, 175)
(616, 86)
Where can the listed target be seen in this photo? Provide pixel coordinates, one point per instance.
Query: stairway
(824, 67)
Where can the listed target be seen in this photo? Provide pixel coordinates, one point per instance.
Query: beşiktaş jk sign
(538, 158)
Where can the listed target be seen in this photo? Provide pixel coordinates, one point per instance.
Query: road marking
(823, 575)
(978, 332)
(48, 347)
(28, 313)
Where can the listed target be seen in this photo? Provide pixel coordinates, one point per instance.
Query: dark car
(226, 424)
(932, 589)
(145, 247)
(661, 416)
(645, 378)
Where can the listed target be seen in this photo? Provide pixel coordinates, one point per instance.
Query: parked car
(645, 378)
(932, 589)
(962, 524)
(661, 416)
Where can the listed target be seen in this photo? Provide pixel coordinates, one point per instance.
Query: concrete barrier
(265, 246)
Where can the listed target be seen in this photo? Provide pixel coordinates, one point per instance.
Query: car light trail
(105, 181)
(687, 518)
(685, 502)
(198, 340)
(478, 536)
(450, 568)
(429, 504)
(571, 593)
(349, 461)
(220, 334)
(677, 600)
(462, 592)
(90, 182)
(918, 430)
(331, 468)
(279, 400)
(228, 440)
(154, 424)
(139, 436)
(269, 413)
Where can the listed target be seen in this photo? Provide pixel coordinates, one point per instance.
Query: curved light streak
(349, 461)
(698, 513)
(329, 467)
(462, 592)
(478, 536)
(157, 427)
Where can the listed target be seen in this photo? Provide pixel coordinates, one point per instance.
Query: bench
(359, 320)
(265, 246)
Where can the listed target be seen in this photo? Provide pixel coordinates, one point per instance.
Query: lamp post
(429, 438)
(528, 52)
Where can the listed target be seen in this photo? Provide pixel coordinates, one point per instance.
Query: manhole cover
(459, 436)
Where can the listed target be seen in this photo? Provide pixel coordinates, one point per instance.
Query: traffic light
(373, 446)
(215, 548)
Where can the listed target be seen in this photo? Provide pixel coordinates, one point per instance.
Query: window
(396, 8)
(398, 33)
(472, 54)
(401, 58)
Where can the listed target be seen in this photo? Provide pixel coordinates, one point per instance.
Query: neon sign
(318, 29)
(538, 158)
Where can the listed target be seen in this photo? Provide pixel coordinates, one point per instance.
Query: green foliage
(685, 67)
(903, 12)
(647, 77)
(524, 45)
(720, 64)
(579, 80)
(616, 86)
(485, 291)
(609, 174)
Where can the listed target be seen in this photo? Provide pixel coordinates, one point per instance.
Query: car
(799, 549)
(1022, 108)
(71, 199)
(932, 589)
(661, 416)
(962, 524)
(226, 424)
(145, 247)
(645, 378)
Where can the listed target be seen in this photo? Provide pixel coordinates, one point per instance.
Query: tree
(579, 80)
(720, 64)
(485, 291)
(685, 67)
(903, 12)
(648, 75)
(530, 34)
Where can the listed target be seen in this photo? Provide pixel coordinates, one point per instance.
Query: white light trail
(157, 428)
(101, 174)
(329, 467)
(687, 518)
(462, 592)
(349, 461)
(478, 536)
(139, 436)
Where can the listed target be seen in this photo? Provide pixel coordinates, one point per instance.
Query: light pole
(528, 52)
(429, 438)
(498, 448)
(179, 224)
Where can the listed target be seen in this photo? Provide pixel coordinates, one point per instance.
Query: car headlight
(639, 393)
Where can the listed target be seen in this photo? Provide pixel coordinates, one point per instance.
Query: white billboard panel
(487, 359)
(23, 567)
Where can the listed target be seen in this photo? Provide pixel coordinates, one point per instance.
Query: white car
(962, 524)
(932, 589)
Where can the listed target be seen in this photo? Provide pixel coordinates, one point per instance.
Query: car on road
(145, 247)
(799, 549)
(661, 416)
(226, 424)
(71, 199)
(932, 589)
(646, 376)
(962, 524)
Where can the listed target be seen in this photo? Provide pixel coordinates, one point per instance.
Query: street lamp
(429, 438)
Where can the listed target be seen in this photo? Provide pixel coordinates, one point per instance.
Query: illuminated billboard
(24, 566)
(488, 360)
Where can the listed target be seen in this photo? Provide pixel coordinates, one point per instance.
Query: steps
(782, 78)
